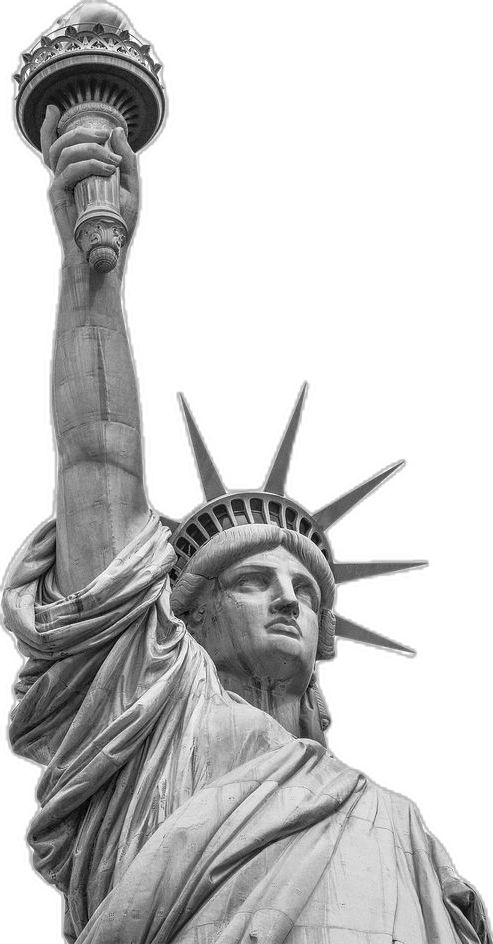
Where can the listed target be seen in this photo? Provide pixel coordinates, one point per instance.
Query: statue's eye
(307, 593)
(251, 581)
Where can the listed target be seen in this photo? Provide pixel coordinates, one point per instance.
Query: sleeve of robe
(103, 664)
(463, 903)
(432, 896)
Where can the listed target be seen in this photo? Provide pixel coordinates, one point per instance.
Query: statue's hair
(231, 546)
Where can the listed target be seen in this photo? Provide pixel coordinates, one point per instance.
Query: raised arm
(100, 497)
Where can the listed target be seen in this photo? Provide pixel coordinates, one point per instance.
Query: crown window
(222, 515)
(257, 509)
(291, 517)
(316, 539)
(275, 513)
(196, 534)
(209, 525)
(305, 526)
(185, 546)
(239, 511)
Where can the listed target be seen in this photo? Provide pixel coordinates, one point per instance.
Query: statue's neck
(267, 696)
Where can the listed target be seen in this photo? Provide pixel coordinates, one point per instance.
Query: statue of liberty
(170, 688)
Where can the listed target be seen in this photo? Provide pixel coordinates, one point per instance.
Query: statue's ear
(196, 617)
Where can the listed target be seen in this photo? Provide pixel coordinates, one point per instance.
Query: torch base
(101, 237)
(103, 259)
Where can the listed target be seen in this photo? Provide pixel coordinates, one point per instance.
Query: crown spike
(276, 478)
(328, 515)
(359, 570)
(209, 476)
(346, 629)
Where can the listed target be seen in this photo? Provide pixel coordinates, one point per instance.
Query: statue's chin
(283, 656)
(280, 662)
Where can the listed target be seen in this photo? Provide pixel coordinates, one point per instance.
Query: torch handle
(100, 230)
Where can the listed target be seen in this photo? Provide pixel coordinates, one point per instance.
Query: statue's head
(259, 599)
(255, 578)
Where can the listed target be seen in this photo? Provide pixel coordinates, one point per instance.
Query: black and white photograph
(246, 491)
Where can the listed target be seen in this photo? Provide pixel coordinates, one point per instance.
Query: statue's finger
(120, 145)
(82, 169)
(48, 131)
(86, 151)
(76, 136)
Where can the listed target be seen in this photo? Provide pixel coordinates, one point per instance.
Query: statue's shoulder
(384, 809)
(397, 820)
(402, 811)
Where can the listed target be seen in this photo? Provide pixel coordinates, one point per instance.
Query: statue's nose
(291, 607)
(286, 600)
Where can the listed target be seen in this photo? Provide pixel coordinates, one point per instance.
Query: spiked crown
(223, 510)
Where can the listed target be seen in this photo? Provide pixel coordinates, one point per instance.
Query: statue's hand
(81, 153)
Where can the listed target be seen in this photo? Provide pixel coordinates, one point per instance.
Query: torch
(101, 76)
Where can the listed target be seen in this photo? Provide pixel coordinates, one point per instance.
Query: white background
(319, 206)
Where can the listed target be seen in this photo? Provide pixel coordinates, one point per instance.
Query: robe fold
(173, 811)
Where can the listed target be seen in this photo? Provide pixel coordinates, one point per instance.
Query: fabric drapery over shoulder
(67, 639)
(172, 810)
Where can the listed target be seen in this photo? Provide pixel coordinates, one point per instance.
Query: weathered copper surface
(170, 691)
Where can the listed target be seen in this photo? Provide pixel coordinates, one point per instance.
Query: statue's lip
(284, 625)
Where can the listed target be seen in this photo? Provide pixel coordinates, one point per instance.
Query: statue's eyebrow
(244, 566)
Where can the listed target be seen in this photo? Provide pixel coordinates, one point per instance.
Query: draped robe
(173, 811)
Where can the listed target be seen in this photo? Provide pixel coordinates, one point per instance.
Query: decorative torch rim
(126, 58)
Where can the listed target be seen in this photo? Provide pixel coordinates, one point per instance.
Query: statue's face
(261, 620)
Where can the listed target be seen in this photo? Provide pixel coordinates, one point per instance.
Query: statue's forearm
(101, 502)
